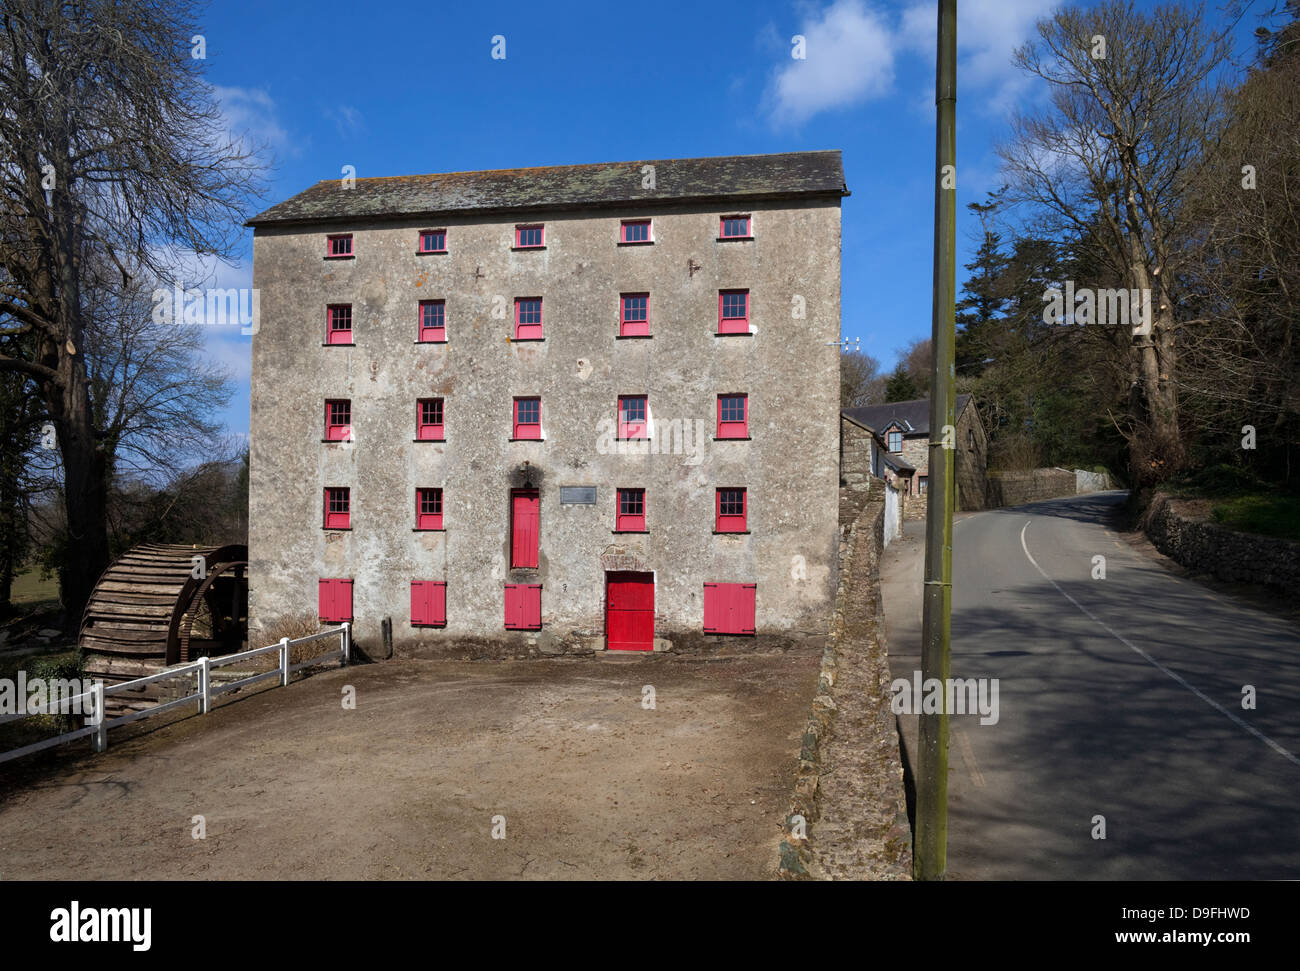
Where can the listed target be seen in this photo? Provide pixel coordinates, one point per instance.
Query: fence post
(100, 739)
(205, 686)
(347, 642)
(284, 662)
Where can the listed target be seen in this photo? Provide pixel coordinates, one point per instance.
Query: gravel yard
(561, 754)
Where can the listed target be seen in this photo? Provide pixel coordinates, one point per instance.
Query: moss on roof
(737, 178)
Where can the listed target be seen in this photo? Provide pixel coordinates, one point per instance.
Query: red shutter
(326, 590)
(525, 526)
(335, 596)
(743, 618)
(342, 600)
(729, 608)
(428, 603)
(523, 606)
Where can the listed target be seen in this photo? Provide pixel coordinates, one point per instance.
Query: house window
(921, 483)
(523, 606)
(525, 528)
(338, 319)
(338, 508)
(729, 608)
(433, 321)
(428, 509)
(895, 441)
(338, 420)
(635, 231)
(338, 247)
(733, 416)
(734, 227)
(634, 315)
(733, 311)
(528, 318)
(433, 241)
(428, 603)
(632, 417)
(530, 237)
(335, 600)
(731, 510)
(528, 418)
(631, 511)
(428, 417)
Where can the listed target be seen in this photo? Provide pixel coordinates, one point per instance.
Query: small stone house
(902, 433)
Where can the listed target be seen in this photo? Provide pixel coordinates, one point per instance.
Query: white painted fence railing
(204, 691)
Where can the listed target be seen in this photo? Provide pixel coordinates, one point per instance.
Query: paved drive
(1119, 697)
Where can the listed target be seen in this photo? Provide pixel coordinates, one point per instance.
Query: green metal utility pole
(930, 855)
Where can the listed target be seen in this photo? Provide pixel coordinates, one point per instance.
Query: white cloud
(849, 58)
(852, 49)
(988, 31)
(227, 348)
(250, 117)
(346, 119)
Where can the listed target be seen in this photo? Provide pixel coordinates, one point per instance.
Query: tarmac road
(1119, 697)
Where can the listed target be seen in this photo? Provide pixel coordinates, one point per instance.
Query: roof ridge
(582, 165)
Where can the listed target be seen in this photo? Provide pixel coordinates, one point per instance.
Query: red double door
(629, 611)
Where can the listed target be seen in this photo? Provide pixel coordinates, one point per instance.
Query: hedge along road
(590, 783)
(1119, 698)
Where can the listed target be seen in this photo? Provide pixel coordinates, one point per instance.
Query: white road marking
(1153, 662)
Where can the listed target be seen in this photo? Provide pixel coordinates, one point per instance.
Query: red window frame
(626, 223)
(338, 313)
(528, 330)
(733, 324)
(428, 508)
(726, 223)
(338, 507)
(440, 236)
(338, 246)
(523, 602)
(430, 414)
(634, 315)
(629, 425)
(629, 513)
(429, 332)
(338, 419)
(729, 608)
(730, 427)
(529, 228)
(334, 599)
(729, 520)
(528, 430)
(428, 603)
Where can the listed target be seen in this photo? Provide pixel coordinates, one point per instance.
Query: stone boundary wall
(1018, 488)
(1085, 481)
(1221, 552)
(849, 785)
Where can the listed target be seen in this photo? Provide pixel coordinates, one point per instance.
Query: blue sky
(396, 88)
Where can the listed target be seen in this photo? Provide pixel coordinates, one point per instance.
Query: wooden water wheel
(158, 606)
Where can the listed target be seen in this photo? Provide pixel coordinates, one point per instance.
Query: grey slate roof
(736, 178)
(913, 416)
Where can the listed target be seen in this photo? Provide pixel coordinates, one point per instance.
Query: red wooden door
(629, 611)
(525, 523)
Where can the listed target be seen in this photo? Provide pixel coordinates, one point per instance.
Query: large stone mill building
(551, 409)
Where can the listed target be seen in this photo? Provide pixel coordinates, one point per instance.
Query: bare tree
(1134, 100)
(1242, 366)
(113, 157)
(860, 380)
